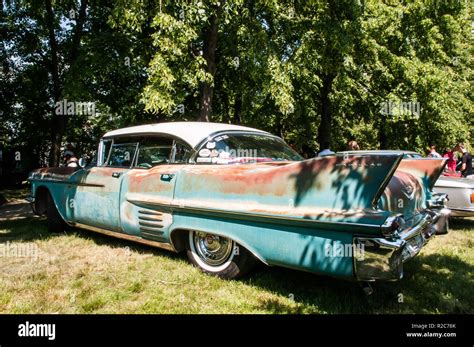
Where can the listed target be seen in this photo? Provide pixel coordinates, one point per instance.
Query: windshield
(241, 148)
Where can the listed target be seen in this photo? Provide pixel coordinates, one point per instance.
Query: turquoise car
(230, 195)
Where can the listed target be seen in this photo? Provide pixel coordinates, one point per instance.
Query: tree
(389, 74)
(68, 51)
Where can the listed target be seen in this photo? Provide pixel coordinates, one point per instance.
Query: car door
(94, 201)
(148, 189)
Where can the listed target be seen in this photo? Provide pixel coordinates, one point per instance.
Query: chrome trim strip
(167, 246)
(248, 214)
(155, 213)
(455, 209)
(144, 229)
(80, 184)
(458, 187)
(157, 219)
(150, 225)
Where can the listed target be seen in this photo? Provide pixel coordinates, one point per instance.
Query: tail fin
(426, 169)
(340, 182)
(344, 182)
(410, 187)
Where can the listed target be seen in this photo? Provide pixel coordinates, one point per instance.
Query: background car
(460, 193)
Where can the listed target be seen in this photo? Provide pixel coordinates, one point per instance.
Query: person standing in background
(325, 151)
(433, 153)
(466, 160)
(353, 146)
(451, 164)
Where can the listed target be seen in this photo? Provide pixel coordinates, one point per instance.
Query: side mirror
(82, 162)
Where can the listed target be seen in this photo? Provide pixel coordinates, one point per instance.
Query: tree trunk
(209, 54)
(383, 134)
(59, 122)
(237, 119)
(324, 130)
(76, 39)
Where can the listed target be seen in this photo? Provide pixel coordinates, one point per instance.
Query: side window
(103, 153)
(181, 153)
(154, 151)
(122, 154)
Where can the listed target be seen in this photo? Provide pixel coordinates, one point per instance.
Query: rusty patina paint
(404, 194)
(319, 189)
(426, 169)
(410, 187)
(53, 173)
(151, 181)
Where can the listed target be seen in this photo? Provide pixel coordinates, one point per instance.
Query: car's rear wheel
(218, 255)
(55, 222)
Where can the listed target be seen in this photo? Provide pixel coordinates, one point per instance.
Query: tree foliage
(389, 74)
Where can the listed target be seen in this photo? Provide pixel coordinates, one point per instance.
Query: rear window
(240, 148)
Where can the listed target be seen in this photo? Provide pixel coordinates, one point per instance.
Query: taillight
(472, 198)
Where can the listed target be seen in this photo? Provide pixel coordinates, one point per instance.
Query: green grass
(82, 272)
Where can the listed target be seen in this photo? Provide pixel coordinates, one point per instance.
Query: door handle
(167, 177)
(116, 174)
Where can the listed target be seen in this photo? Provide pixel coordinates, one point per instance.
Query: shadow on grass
(113, 242)
(433, 283)
(24, 230)
(456, 224)
(35, 229)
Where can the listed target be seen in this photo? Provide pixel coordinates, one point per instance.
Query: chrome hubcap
(214, 250)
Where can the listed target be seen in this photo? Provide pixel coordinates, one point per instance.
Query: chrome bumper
(462, 212)
(382, 259)
(31, 200)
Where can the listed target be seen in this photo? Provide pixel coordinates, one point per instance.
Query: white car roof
(191, 132)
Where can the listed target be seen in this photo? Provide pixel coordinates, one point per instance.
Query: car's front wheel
(218, 255)
(56, 223)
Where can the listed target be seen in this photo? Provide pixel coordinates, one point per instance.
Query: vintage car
(460, 193)
(228, 195)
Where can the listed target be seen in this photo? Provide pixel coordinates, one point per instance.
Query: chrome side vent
(151, 222)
